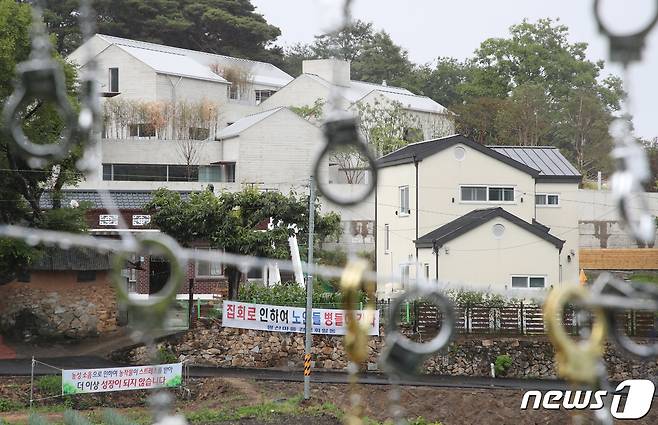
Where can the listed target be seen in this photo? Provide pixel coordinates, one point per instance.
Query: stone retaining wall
(77, 311)
(532, 357)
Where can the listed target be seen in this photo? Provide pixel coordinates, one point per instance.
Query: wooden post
(190, 302)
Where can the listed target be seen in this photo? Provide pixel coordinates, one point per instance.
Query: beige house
(461, 212)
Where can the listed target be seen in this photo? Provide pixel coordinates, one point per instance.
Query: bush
(8, 406)
(166, 356)
(51, 384)
(289, 294)
(502, 364)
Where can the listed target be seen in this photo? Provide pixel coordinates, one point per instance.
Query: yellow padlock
(577, 361)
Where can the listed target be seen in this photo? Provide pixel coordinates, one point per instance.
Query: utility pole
(309, 290)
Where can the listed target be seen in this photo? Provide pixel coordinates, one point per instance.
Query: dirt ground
(449, 406)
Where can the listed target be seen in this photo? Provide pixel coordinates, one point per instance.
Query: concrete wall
(170, 87)
(137, 81)
(302, 91)
(599, 224)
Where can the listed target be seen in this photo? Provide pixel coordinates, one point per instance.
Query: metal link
(39, 79)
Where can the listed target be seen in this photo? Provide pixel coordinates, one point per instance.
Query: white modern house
(322, 76)
(455, 210)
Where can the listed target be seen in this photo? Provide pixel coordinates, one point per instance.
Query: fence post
(467, 317)
(522, 318)
(408, 313)
(198, 308)
(32, 383)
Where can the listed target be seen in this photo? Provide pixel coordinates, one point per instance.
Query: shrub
(502, 364)
(51, 384)
(8, 405)
(289, 294)
(165, 356)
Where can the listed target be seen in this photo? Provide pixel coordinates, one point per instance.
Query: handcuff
(402, 356)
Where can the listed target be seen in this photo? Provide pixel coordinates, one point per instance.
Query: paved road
(22, 367)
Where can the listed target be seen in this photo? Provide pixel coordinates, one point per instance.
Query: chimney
(333, 70)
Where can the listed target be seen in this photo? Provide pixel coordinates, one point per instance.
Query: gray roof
(476, 218)
(421, 150)
(261, 72)
(550, 162)
(357, 90)
(76, 259)
(124, 199)
(242, 124)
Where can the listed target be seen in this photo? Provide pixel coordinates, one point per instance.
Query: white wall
(137, 81)
(189, 89)
(302, 91)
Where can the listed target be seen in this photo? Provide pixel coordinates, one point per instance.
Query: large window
(387, 238)
(404, 201)
(547, 200)
(533, 282)
(215, 173)
(487, 194)
(199, 133)
(261, 95)
(206, 268)
(113, 80)
(234, 92)
(141, 130)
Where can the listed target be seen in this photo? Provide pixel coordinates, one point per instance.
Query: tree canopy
(229, 27)
(22, 187)
(231, 222)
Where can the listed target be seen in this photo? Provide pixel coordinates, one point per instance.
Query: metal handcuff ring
(343, 132)
(151, 312)
(402, 355)
(624, 48)
(608, 286)
(577, 361)
(39, 79)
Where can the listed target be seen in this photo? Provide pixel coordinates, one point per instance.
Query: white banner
(277, 318)
(77, 381)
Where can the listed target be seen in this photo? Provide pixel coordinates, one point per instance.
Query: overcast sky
(432, 28)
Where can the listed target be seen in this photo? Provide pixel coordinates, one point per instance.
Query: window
(474, 193)
(108, 220)
(427, 271)
(498, 194)
(261, 95)
(86, 275)
(113, 77)
(387, 238)
(199, 133)
(234, 92)
(216, 173)
(404, 200)
(547, 200)
(404, 274)
(207, 269)
(487, 194)
(528, 282)
(141, 130)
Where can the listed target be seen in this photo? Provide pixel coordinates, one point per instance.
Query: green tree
(387, 126)
(21, 188)
(229, 222)
(230, 27)
(442, 81)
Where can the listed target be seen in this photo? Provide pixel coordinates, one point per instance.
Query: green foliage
(231, 222)
(166, 356)
(73, 418)
(290, 294)
(422, 421)
(502, 364)
(462, 297)
(110, 417)
(9, 406)
(312, 112)
(35, 419)
(387, 125)
(52, 384)
(174, 382)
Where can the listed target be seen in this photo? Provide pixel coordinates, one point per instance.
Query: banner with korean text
(277, 318)
(78, 381)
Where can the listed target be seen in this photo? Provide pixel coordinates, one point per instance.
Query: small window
(501, 194)
(460, 153)
(141, 130)
(387, 238)
(207, 269)
(536, 282)
(427, 271)
(86, 275)
(199, 133)
(107, 172)
(547, 199)
(261, 95)
(474, 193)
(404, 274)
(234, 92)
(113, 82)
(404, 200)
(498, 230)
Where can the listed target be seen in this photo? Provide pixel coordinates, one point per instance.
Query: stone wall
(79, 310)
(532, 357)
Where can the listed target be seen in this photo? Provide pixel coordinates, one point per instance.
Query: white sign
(141, 220)
(78, 381)
(108, 220)
(276, 318)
